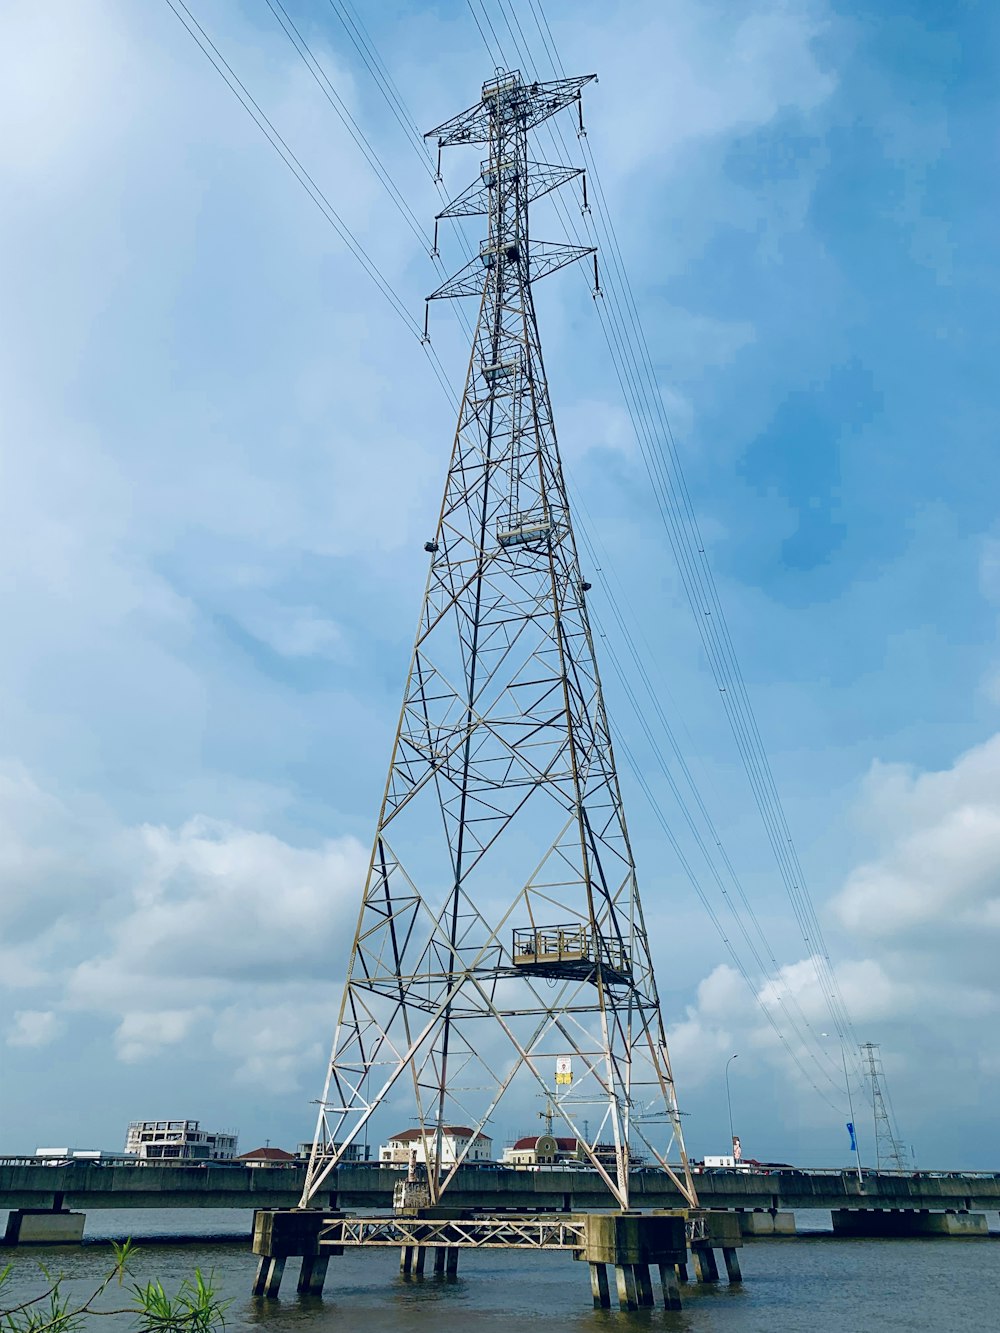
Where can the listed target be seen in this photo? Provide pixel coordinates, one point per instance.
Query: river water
(809, 1284)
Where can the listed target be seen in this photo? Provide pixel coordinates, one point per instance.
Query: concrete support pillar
(269, 1274)
(625, 1281)
(44, 1226)
(732, 1260)
(313, 1274)
(260, 1277)
(671, 1287)
(419, 1259)
(643, 1286)
(705, 1267)
(451, 1265)
(682, 1272)
(599, 1286)
(440, 1254)
(406, 1260)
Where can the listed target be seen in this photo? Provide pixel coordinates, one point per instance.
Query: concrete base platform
(893, 1222)
(762, 1223)
(38, 1226)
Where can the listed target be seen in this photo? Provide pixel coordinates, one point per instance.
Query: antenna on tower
(889, 1149)
(501, 937)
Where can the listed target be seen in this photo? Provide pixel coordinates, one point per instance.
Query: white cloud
(143, 1034)
(939, 863)
(34, 1027)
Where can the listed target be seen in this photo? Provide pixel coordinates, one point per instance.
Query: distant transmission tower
(501, 941)
(889, 1151)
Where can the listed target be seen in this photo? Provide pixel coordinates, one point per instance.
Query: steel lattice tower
(889, 1151)
(501, 931)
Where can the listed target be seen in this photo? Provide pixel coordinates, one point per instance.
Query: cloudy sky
(222, 451)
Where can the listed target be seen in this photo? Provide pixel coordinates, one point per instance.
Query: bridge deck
(26, 1184)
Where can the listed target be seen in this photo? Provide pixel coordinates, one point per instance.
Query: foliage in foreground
(194, 1308)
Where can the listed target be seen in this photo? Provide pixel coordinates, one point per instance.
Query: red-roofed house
(267, 1157)
(455, 1139)
(541, 1150)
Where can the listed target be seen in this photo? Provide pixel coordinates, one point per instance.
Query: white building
(455, 1139)
(179, 1140)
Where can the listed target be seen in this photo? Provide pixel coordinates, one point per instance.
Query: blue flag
(854, 1142)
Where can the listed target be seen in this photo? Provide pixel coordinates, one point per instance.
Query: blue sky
(222, 452)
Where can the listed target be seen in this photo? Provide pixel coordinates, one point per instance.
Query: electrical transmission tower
(501, 944)
(889, 1150)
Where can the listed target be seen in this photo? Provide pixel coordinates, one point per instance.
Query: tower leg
(671, 1287)
(599, 1286)
(313, 1274)
(732, 1264)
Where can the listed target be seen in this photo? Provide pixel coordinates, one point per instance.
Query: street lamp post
(729, 1101)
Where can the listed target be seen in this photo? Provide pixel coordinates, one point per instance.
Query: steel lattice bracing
(501, 926)
(890, 1154)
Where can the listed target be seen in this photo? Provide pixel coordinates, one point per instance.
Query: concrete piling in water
(705, 1267)
(599, 1286)
(269, 1274)
(671, 1286)
(643, 1285)
(732, 1262)
(312, 1274)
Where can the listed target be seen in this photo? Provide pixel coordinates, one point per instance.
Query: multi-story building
(355, 1152)
(455, 1139)
(179, 1140)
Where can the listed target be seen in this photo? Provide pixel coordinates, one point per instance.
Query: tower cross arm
(545, 258)
(530, 103)
(548, 256)
(475, 201)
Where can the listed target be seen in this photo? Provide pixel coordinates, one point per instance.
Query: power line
(676, 505)
(239, 90)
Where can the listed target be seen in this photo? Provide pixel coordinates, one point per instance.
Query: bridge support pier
(765, 1222)
(711, 1231)
(630, 1242)
(906, 1222)
(44, 1226)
